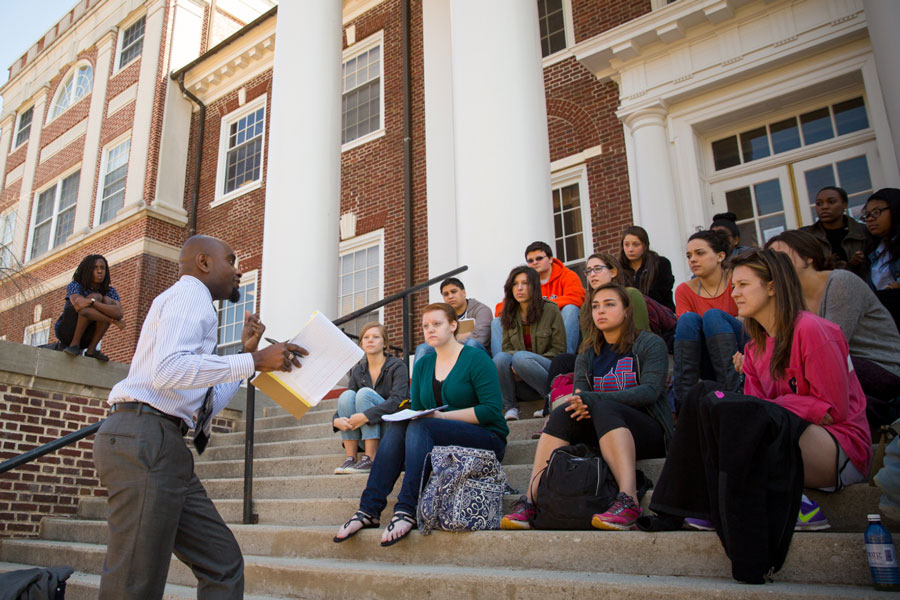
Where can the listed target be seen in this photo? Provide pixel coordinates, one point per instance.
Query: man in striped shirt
(157, 504)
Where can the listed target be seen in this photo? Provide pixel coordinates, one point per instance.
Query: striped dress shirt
(175, 361)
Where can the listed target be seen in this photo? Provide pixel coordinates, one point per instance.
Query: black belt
(143, 407)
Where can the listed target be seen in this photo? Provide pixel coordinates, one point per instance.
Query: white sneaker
(512, 414)
(538, 413)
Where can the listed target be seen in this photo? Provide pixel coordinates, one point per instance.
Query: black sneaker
(363, 465)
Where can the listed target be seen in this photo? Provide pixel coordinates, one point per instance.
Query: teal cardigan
(471, 383)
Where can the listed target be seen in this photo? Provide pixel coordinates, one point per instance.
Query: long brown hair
(584, 318)
(777, 268)
(511, 305)
(628, 333)
(650, 259)
(805, 245)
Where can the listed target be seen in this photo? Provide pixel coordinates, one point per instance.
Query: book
(331, 355)
(407, 413)
(465, 326)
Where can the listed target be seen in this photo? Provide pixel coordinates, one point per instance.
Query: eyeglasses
(595, 270)
(535, 259)
(873, 214)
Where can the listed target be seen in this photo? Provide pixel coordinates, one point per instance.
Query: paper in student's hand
(407, 413)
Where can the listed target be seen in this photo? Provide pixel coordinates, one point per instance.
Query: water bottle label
(881, 555)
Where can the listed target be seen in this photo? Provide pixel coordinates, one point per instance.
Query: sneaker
(539, 413)
(363, 465)
(512, 414)
(699, 524)
(520, 517)
(342, 470)
(72, 351)
(620, 516)
(811, 517)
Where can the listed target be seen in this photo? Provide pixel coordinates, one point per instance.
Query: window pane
(85, 80)
(755, 144)
(850, 116)
(69, 193)
(132, 42)
(45, 205)
(65, 224)
(739, 202)
(572, 221)
(725, 153)
(816, 126)
(768, 197)
(748, 234)
(574, 247)
(771, 226)
(853, 174)
(41, 241)
(24, 127)
(785, 135)
(570, 198)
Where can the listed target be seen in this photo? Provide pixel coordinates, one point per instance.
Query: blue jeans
(530, 367)
(571, 315)
(408, 442)
(350, 403)
(496, 337)
(424, 349)
(693, 327)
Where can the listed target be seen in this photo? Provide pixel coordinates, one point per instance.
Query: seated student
(463, 379)
(801, 362)
(707, 333)
(454, 293)
(559, 284)
(619, 404)
(378, 385)
(843, 239)
(92, 304)
(532, 334)
(727, 223)
(845, 300)
(645, 269)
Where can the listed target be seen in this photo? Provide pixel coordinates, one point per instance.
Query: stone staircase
(300, 504)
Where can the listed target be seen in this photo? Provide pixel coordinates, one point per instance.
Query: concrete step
(329, 578)
(815, 557)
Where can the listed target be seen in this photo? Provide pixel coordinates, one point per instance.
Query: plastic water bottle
(882, 556)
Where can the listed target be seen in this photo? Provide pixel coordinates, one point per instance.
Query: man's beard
(235, 296)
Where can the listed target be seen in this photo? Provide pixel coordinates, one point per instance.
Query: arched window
(76, 86)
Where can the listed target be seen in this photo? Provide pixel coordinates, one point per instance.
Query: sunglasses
(535, 259)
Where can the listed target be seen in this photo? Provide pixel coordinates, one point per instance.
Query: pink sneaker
(620, 516)
(520, 517)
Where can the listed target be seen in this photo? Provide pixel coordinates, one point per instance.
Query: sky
(22, 23)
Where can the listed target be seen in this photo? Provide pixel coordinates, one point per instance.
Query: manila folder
(331, 355)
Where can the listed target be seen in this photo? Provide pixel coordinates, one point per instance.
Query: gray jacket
(483, 317)
(652, 362)
(849, 303)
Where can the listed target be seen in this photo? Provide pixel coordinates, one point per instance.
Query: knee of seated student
(503, 361)
(715, 322)
(570, 311)
(472, 342)
(346, 405)
(521, 359)
(367, 398)
(689, 326)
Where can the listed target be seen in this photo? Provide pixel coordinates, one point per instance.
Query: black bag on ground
(576, 485)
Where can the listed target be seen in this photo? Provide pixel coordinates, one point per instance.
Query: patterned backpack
(464, 491)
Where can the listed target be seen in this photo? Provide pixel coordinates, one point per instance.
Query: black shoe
(72, 351)
(98, 355)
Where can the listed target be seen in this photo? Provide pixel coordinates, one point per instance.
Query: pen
(294, 352)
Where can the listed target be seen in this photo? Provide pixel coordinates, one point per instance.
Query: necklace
(700, 283)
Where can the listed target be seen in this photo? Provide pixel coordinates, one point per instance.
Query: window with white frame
(112, 182)
(231, 316)
(242, 143)
(76, 86)
(552, 21)
(23, 127)
(7, 229)
(359, 277)
(571, 223)
(362, 75)
(37, 334)
(54, 215)
(132, 42)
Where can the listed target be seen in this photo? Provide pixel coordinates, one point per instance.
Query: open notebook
(331, 355)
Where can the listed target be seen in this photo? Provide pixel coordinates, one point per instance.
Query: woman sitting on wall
(463, 379)
(378, 385)
(92, 304)
(619, 403)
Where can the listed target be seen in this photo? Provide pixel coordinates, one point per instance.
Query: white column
(882, 19)
(303, 178)
(655, 187)
(143, 108)
(502, 154)
(443, 254)
(88, 184)
(31, 159)
(6, 133)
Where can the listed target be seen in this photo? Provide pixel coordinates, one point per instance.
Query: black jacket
(735, 460)
(392, 385)
(661, 286)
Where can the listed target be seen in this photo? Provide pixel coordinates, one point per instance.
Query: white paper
(331, 355)
(407, 413)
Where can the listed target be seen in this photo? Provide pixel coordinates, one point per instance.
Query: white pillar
(502, 154)
(443, 254)
(32, 153)
(143, 108)
(6, 133)
(87, 183)
(655, 186)
(303, 177)
(882, 19)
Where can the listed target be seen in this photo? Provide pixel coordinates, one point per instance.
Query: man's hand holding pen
(280, 356)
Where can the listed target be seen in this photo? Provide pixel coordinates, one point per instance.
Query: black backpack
(575, 485)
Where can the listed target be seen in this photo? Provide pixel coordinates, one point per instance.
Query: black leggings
(606, 416)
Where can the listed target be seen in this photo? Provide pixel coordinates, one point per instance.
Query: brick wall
(46, 395)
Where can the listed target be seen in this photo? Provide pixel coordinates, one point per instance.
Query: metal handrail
(49, 447)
